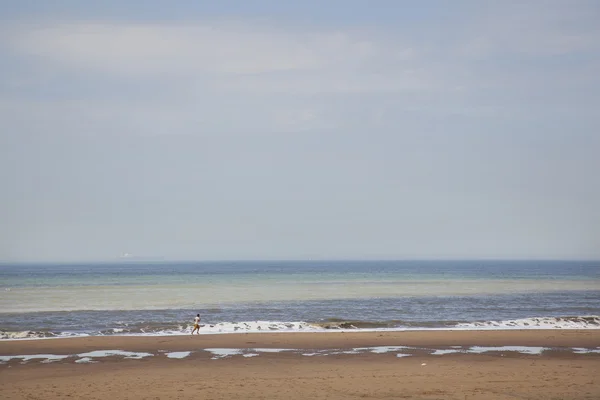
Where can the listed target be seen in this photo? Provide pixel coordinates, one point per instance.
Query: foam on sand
(85, 360)
(179, 354)
(223, 353)
(519, 349)
(108, 353)
(251, 352)
(46, 358)
(269, 350)
(581, 350)
(401, 351)
(381, 349)
(219, 353)
(440, 352)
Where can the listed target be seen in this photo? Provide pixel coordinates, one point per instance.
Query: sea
(137, 297)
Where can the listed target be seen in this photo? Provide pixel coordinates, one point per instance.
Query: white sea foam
(234, 327)
(109, 353)
(219, 353)
(580, 322)
(47, 358)
(223, 353)
(269, 350)
(475, 349)
(179, 354)
(581, 350)
(206, 329)
(85, 360)
(259, 326)
(20, 335)
(439, 352)
(17, 335)
(250, 352)
(382, 349)
(346, 352)
(519, 349)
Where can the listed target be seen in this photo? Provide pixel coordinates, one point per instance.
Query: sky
(203, 130)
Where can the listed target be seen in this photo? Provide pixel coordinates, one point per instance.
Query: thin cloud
(133, 49)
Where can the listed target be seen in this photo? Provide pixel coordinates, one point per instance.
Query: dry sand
(555, 374)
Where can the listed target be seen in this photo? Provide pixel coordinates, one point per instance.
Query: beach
(445, 364)
(301, 330)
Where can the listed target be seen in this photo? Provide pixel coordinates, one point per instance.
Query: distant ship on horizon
(129, 256)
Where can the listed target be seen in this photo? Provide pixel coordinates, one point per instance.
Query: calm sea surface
(153, 298)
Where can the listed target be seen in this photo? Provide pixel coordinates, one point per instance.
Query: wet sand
(556, 373)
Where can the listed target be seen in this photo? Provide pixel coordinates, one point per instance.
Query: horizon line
(131, 260)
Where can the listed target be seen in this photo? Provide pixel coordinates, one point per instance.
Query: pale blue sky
(280, 130)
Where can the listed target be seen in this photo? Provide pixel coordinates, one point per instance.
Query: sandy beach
(527, 364)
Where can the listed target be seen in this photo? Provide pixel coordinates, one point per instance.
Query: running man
(196, 325)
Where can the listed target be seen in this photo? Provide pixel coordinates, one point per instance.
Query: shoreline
(582, 322)
(585, 322)
(550, 338)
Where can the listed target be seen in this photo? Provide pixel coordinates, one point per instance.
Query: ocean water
(161, 298)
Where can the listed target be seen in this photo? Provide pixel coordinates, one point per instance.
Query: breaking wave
(170, 330)
(38, 334)
(580, 322)
(567, 322)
